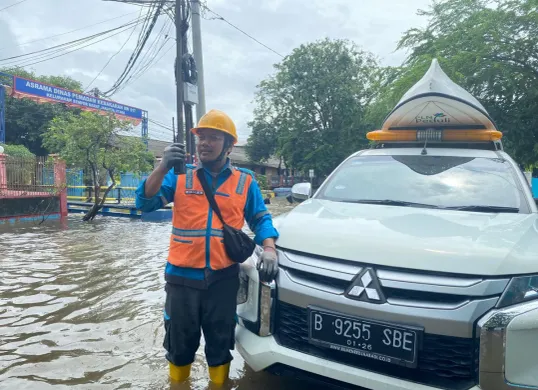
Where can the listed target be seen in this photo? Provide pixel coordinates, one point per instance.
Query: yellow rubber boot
(179, 373)
(219, 374)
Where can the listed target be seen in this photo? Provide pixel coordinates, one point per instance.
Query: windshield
(435, 181)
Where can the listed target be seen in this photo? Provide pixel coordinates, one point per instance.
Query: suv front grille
(445, 362)
(401, 287)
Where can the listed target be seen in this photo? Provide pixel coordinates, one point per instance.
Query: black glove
(268, 266)
(172, 155)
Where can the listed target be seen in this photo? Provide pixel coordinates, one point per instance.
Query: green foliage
(17, 151)
(262, 181)
(311, 112)
(315, 110)
(26, 121)
(94, 141)
(20, 168)
(491, 49)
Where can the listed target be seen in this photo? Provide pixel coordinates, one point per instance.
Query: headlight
(247, 296)
(520, 289)
(255, 300)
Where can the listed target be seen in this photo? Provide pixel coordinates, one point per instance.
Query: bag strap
(209, 195)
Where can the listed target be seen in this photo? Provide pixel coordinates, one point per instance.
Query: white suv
(414, 266)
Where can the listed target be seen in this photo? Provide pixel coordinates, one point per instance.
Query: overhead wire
(160, 124)
(153, 51)
(149, 66)
(114, 55)
(12, 5)
(143, 31)
(68, 32)
(219, 17)
(38, 54)
(70, 51)
(143, 38)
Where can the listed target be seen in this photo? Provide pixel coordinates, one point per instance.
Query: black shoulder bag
(239, 246)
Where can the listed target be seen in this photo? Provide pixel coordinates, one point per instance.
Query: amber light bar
(445, 135)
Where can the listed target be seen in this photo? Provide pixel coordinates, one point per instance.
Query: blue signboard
(45, 92)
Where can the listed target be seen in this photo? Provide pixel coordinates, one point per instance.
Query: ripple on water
(81, 308)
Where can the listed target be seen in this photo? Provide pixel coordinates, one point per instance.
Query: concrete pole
(3, 172)
(179, 168)
(60, 182)
(173, 131)
(198, 56)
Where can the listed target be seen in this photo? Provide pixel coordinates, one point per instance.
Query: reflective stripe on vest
(196, 240)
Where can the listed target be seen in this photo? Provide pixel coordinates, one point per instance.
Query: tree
(489, 47)
(311, 112)
(95, 141)
(26, 121)
(17, 151)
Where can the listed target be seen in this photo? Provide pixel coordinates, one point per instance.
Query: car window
(431, 180)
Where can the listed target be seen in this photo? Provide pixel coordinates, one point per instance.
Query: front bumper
(508, 350)
(261, 353)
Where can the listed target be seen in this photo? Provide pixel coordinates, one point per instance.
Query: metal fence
(122, 193)
(27, 177)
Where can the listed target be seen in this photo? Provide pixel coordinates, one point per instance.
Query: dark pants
(189, 310)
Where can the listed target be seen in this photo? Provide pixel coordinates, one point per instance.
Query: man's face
(210, 144)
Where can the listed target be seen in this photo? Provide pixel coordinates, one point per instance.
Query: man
(201, 280)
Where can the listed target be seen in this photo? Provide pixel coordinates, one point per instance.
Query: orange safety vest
(197, 238)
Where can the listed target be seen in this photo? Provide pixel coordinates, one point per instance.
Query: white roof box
(437, 102)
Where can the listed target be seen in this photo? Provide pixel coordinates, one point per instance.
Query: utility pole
(180, 168)
(173, 131)
(198, 56)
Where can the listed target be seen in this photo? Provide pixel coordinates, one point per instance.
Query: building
(238, 157)
(269, 168)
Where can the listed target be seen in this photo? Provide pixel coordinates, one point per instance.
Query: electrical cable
(238, 29)
(70, 43)
(68, 32)
(162, 129)
(12, 5)
(152, 51)
(160, 124)
(132, 79)
(147, 67)
(77, 49)
(143, 38)
(143, 31)
(114, 55)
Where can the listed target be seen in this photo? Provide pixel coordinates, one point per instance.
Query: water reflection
(81, 308)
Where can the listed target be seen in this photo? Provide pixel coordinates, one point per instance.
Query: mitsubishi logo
(366, 287)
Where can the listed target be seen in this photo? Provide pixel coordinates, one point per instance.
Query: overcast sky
(234, 64)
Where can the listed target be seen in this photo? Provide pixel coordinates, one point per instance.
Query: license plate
(390, 343)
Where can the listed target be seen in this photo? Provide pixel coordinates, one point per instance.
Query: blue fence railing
(123, 192)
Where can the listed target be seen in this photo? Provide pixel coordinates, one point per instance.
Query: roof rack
(493, 145)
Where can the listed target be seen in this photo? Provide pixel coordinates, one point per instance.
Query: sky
(234, 63)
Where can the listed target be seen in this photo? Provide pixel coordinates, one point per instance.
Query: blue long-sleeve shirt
(256, 214)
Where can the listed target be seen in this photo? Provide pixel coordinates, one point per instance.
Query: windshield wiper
(485, 209)
(390, 202)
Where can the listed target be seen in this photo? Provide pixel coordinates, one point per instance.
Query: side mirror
(301, 192)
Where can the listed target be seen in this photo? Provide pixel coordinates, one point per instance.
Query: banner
(45, 93)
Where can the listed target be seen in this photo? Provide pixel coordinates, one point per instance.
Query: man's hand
(173, 154)
(268, 265)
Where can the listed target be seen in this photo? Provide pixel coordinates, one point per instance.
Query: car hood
(413, 238)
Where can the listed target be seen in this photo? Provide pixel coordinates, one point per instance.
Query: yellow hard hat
(217, 120)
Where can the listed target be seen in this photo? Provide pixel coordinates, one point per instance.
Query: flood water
(81, 308)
